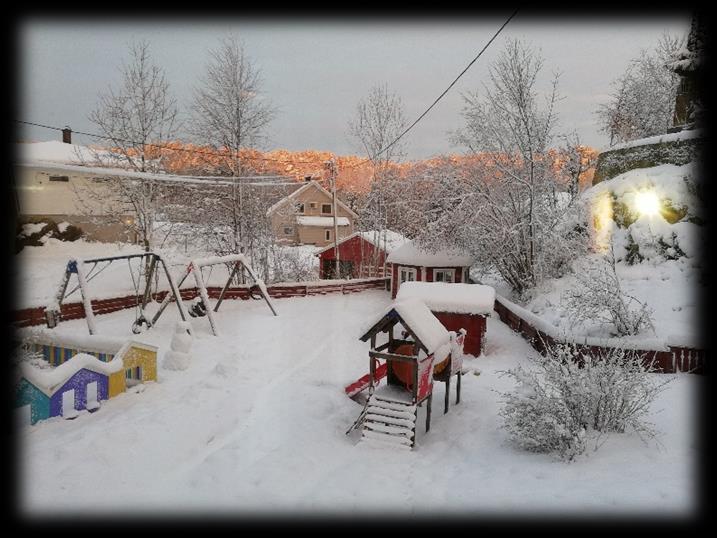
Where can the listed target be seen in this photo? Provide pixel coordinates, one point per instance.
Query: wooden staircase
(389, 422)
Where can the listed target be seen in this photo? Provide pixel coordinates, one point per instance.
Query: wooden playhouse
(457, 306)
(417, 349)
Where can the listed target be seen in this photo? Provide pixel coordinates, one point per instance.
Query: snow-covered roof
(409, 253)
(387, 240)
(322, 221)
(420, 320)
(49, 380)
(53, 151)
(658, 139)
(446, 297)
(308, 185)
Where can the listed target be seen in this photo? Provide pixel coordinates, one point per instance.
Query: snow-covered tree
(230, 114)
(510, 206)
(642, 101)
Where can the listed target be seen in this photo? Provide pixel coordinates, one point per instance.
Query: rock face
(178, 357)
(617, 161)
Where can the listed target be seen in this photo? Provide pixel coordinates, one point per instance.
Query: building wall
(79, 383)
(145, 358)
(356, 250)
(28, 394)
(423, 274)
(285, 215)
(474, 324)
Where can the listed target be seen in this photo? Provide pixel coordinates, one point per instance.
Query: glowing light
(647, 203)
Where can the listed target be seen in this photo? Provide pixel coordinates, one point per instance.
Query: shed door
(68, 404)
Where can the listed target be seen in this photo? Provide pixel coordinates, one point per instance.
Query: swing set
(237, 262)
(148, 269)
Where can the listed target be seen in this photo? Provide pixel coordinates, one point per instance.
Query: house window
(313, 205)
(60, 178)
(326, 209)
(300, 207)
(288, 230)
(444, 275)
(406, 274)
(327, 235)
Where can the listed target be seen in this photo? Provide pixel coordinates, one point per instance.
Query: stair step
(391, 430)
(393, 440)
(408, 423)
(392, 404)
(390, 412)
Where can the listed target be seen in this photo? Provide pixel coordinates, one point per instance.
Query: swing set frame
(238, 262)
(150, 260)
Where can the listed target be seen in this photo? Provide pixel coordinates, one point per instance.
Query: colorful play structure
(418, 351)
(145, 280)
(80, 382)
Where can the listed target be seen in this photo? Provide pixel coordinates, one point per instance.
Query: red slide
(362, 383)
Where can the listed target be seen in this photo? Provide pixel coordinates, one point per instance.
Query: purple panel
(79, 383)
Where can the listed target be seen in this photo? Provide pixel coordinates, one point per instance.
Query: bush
(573, 399)
(34, 233)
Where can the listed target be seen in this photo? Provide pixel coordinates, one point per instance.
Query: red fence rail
(36, 316)
(674, 359)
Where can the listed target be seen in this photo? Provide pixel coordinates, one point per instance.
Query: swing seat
(137, 325)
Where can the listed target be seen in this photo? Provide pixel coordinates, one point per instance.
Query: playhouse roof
(387, 240)
(49, 380)
(410, 254)
(446, 297)
(415, 317)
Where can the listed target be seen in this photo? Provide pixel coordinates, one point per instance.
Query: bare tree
(643, 98)
(135, 117)
(230, 114)
(508, 205)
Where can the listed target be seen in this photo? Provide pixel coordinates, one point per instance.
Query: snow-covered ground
(39, 270)
(256, 425)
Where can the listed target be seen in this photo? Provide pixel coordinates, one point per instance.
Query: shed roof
(387, 240)
(446, 297)
(411, 254)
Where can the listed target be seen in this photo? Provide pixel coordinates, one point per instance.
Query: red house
(457, 306)
(411, 263)
(361, 255)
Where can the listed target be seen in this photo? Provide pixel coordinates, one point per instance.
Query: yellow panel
(117, 384)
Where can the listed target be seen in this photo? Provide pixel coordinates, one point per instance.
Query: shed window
(326, 209)
(444, 275)
(60, 178)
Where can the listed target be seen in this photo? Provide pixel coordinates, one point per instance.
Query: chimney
(67, 135)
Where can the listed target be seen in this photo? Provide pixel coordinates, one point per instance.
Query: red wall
(420, 276)
(474, 324)
(353, 250)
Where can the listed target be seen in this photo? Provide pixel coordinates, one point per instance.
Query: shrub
(572, 399)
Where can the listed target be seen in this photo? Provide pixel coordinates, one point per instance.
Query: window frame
(445, 270)
(330, 212)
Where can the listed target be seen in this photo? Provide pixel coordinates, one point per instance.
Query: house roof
(415, 316)
(306, 186)
(450, 297)
(411, 254)
(387, 240)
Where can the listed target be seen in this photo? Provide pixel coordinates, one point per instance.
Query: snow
(658, 139)
(32, 228)
(384, 239)
(410, 254)
(419, 318)
(255, 426)
(53, 151)
(322, 221)
(76, 340)
(447, 297)
(48, 380)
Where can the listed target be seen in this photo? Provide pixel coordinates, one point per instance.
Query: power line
(162, 146)
(440, 96)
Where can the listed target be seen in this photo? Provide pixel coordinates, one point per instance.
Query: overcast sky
(315, 73)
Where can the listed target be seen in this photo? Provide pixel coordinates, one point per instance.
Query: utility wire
(439, 97)
(161, 146)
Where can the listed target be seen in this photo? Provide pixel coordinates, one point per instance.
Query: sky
(315, 72)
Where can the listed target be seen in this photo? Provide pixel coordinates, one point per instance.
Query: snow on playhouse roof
(49, 380)
(322, 221)
(379, 238)
(446, 297)
(409, 253)
(420, 320)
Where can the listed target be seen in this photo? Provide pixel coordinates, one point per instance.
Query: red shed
(457, 306)
(411, 263)
(361, 255)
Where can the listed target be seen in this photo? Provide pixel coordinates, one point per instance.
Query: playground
(257, 423)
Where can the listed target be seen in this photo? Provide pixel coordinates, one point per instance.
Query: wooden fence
(36, 316)
(669, 360)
